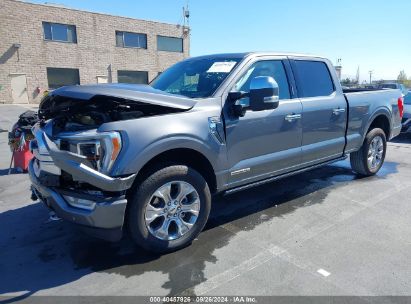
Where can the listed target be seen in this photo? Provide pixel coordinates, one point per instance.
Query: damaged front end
(72, 164)
(70, 176)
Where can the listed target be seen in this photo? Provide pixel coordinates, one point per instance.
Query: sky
(374, 35)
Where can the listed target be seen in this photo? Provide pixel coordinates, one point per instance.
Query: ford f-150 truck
(149, 157)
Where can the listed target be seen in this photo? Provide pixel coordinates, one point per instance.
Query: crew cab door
(263, 143)
(324, 116)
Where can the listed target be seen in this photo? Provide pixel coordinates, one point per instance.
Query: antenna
(186, 16)
(186, 22)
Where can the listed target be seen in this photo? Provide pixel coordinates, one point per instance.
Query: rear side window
(314, 78)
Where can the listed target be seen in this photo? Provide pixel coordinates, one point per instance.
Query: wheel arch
(183, 156)
(380, 119)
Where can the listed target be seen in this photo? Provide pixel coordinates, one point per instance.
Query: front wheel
(169, 208)
(369, 159)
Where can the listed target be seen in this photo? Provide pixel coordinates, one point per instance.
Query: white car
(406, 119)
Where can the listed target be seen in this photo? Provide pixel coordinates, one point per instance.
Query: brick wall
(94, 54)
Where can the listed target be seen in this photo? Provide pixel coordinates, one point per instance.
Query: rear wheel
(169, 208)
(370, 158)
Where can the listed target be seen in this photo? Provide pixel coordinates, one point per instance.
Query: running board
(274, 178)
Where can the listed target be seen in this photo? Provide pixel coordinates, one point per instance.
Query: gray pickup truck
(150, 157)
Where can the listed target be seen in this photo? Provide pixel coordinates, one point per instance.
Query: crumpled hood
(129, 93)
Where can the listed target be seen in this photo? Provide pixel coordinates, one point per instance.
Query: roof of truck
(247, 54)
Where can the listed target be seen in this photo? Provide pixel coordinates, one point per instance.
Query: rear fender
(380, 111)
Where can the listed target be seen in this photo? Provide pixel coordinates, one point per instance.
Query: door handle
(292, 117)
(338, 111)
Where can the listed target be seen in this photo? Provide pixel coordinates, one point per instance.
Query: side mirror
(264, 93)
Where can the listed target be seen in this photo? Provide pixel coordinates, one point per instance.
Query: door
(324, 111)
(19, 88)
(102, 79)
(264, 143)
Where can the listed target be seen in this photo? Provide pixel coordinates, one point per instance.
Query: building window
(169, 44)
(59, 77)
(134, 40)
(60, 32)
(139, 77)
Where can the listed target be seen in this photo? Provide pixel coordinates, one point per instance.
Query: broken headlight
(100, 148)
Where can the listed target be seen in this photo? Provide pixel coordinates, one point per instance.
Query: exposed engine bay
(75, 154)
(72, 114)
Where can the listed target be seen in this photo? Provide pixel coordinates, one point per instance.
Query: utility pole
(370, 72)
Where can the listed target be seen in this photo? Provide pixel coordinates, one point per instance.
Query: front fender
(135, 161)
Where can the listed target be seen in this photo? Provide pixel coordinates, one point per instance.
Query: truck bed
(363, 102)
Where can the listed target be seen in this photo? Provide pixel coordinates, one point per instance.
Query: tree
(402, 77)
(348, 82)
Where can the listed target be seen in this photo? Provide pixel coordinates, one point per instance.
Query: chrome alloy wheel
(375, 152)
(172, 211)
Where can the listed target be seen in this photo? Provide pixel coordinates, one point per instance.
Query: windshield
(195, 78)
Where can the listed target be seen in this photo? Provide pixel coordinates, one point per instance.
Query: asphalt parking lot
(326, 232)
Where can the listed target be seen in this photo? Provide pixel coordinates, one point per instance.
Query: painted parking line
(323, 272)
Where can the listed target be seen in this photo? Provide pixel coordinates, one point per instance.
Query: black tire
(138, 201)
(359, 159)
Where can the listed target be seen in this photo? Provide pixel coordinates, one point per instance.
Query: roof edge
(28, 2)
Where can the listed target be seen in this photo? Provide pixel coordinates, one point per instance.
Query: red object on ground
(22, 158)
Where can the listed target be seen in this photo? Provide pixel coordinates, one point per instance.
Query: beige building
(44, 47)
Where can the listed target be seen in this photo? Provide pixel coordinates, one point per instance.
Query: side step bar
(274, 178)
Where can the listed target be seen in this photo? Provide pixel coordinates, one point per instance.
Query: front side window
(272, 68)
(59, 32)
(314, 78)
(59, 77)
(169, 44)
(136, 77)
(127, 39)
(196, 77)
